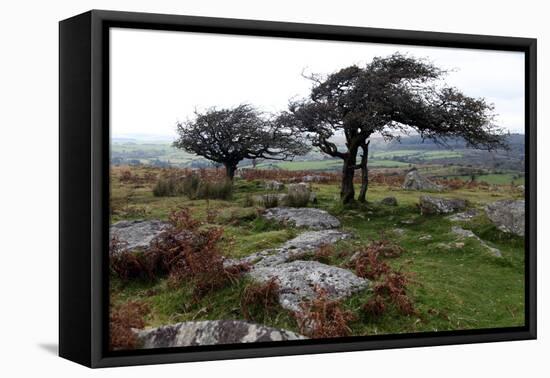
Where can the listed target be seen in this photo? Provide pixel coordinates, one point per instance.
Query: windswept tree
(228, 136)
(389, 96)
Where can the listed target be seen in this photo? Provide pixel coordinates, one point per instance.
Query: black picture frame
(84, 185)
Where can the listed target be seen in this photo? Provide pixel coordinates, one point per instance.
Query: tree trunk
(364, 173)
(230, 171)
(347, 191)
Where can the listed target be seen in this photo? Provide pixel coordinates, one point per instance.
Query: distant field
(431, 155)
(304, 165)
(147, 152)
(398, 153)
(418, 154)
(320, 165)
(497, 179)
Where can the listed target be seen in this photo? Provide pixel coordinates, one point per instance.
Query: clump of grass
(167, 187)
(213, 190)
(121, 321)
(193, 186)
(271, 200)
(190, 185)
(259, 300)
(297, 199)
(323, 317)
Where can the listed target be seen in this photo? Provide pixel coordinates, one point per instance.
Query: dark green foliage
(387, 96)
(228, 136)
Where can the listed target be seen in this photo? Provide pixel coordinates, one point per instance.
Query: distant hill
(410, 150)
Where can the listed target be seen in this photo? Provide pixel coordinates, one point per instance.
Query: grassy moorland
(453, 283)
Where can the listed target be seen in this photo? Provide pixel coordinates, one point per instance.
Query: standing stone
(415, 181)
(508, 216)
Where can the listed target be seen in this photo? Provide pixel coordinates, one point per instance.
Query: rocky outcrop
(211, 332)
(508, 216)
(137, 234)
(469, 234)
(415, 181)
(303, 217)
(389, 201)
(464, 216)
(304, 242)
(437, 205)
(298, 279)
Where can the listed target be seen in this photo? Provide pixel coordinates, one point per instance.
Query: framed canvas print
(236, 188)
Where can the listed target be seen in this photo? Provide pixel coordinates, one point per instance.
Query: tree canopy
(228, 136)
(389, 96)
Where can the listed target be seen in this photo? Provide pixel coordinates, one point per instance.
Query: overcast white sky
(159, 78)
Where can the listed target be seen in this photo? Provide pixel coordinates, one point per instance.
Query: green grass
(318, 165)
(417, 154)
(328, 165)
(497, 179)
(452, 287)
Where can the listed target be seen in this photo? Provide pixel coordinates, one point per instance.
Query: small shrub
(323, 317)
(184, 251)
(391, 287)
(127, 264)
(260, 300)
(121, 321)
(376, 306)
(125, 175)
(368, 265)
(394, 288)
(187, 252)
